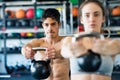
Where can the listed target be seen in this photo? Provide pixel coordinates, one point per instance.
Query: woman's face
(92, 17)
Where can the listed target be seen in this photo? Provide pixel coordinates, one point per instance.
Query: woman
(92, 16)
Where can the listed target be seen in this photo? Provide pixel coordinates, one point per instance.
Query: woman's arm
(72, 49)
(107, 46)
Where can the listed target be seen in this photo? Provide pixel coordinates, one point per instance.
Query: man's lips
(50, 32)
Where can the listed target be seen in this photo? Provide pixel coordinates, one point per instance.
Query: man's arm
(27, 48)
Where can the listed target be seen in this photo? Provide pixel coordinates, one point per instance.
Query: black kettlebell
(7, 14)
(10, 23)
(40, 69)
(91, 61)
(24, 23)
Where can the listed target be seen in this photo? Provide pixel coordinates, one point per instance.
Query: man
(52, 41)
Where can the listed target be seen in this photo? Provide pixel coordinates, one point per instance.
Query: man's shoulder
(38, 40)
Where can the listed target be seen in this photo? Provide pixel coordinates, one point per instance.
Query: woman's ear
(81, 20)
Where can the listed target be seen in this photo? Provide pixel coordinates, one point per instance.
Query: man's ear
(42, 24)
(59, 24)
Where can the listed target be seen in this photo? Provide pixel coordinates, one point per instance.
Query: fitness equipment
(35, 28)
(29, 34)
(18, 23)
(31, 23)
(30, 13)
(1, 23)
(116, 11)
(40, 69)
(74, 2)
(24, 23)
(106, 32)
(83, 34)
(20, 13)
(90, 61)
(75, 11)
(9, 69)
(23, 34)
(39, 23)
(10, 23)
(80, 28)
(9, 14)
(39, 13)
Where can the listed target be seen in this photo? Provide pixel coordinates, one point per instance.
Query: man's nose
(49, 27)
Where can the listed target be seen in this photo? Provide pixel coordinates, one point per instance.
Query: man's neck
(52, 41)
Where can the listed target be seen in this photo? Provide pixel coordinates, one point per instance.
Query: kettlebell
(40, 69)
(91, 61)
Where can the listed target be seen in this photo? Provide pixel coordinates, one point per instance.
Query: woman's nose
(92, 18)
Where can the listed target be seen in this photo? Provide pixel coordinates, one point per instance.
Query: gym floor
(116, 76)
(19, 77)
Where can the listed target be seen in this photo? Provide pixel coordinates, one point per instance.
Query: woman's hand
(106, 46)
(73, 48)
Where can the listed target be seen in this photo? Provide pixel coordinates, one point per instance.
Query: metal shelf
(22, 30)
(113, 1)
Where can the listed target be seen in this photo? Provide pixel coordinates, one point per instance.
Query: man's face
(51, 27)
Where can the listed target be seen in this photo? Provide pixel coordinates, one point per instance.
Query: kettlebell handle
(83, 34)
(40, 49)
(34, 61)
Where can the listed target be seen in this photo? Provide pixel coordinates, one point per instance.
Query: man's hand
(28, 52)
(51, 53)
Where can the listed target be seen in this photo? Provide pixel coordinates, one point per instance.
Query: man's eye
(53, 24)
(46, 24)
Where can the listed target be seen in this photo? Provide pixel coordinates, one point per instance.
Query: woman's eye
(96, 15)
(86, 15)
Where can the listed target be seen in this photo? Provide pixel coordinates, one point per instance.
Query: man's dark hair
(51, 13)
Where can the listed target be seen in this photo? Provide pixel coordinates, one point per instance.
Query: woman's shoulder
(67, 39)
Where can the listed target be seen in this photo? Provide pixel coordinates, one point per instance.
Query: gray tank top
(106, 66)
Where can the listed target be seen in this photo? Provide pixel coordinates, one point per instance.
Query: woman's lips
(92, 25)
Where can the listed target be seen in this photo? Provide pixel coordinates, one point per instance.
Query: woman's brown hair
(91, 1)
